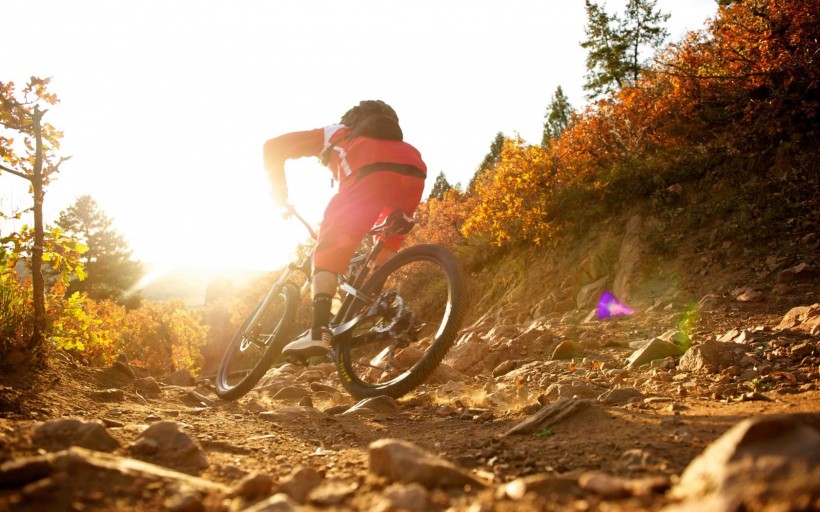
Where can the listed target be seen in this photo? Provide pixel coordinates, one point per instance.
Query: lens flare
(688, 321)
(609, 306)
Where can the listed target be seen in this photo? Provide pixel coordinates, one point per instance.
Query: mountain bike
(391, 327)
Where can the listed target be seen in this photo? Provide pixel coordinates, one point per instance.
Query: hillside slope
(540, 405)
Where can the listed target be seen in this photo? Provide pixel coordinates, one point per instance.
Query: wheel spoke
(385, 353)
(383, 360)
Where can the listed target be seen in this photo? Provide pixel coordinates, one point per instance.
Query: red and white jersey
(346, 155)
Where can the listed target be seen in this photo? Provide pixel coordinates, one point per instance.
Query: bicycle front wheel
(256, 344)
(404, 334)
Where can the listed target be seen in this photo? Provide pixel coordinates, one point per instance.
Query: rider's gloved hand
(286, 210)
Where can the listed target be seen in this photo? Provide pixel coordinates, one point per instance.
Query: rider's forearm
(275, 167)
(293, 145)
(288, 146)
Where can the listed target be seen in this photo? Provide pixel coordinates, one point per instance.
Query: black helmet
(368, 108)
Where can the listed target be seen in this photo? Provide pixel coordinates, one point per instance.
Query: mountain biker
(378, 173)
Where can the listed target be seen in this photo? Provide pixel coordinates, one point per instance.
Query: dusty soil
(515, 358)
(676, 416)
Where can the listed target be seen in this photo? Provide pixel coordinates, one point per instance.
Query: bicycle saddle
(397, 223)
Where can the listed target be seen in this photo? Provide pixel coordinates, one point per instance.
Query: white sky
(165, 104)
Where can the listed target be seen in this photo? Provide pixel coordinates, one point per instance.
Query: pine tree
(605, 48)
(489, 160)
(440, 186)
(559, 113)
(111, 271)
(642, 27)
(615, 44)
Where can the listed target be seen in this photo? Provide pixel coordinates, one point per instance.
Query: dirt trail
(644, 423)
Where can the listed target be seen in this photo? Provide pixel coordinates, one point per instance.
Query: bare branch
(16, 173)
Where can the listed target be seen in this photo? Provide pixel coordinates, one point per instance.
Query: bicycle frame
(416, 296)
(349, 283)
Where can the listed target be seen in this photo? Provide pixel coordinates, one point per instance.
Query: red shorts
(352, 212)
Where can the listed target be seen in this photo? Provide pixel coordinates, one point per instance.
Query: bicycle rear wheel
(256, 344)
(402, 336)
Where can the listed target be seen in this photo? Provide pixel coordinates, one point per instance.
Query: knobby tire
(452, 317)
(284, 319)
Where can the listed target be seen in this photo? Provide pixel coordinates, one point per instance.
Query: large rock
(253, 485)
(63, 433)
(165, 444)
(118, 483)
(620, 396)
(550, 415)
(655, 349)
(180, 378)
(799, 273)
(407, 357)
(569, 389)
(467, 354)
(401, 461)
(604, 485)
(299, 483)
(377, 404)
(291, 393)
(411, 498)
(803, 318)
(276, 379)
(567, 349)
(765, 463)
(149, 386)
(541, 483)
(710, 356)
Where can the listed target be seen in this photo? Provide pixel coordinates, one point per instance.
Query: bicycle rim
(408, 331)
(254, 346)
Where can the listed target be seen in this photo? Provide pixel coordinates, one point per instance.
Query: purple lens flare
(610, 306)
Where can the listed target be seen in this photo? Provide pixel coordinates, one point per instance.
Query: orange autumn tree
(746, 86)
(159, 336)
(511, 198)
(164, 337)
(35, 158)
(621, 144)
(748, 80)
(755, 75)
(439, 220)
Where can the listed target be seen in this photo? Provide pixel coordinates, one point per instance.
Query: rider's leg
(324, 287)
(317, 339)
(348, 217)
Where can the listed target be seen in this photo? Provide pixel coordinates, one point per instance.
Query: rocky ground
(705, 405)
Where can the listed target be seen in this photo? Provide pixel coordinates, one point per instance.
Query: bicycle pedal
(298, 360)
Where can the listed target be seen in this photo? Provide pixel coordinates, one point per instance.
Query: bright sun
(227, 228)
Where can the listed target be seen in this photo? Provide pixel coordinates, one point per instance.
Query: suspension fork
(289, 271)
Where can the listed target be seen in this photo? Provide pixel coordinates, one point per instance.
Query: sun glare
(165, 124)
(222, 229)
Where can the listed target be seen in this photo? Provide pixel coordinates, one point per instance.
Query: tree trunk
(38, 285)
